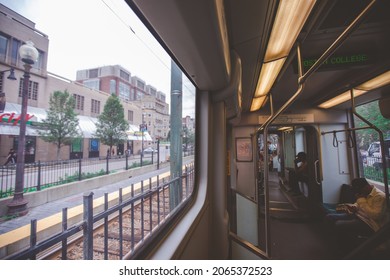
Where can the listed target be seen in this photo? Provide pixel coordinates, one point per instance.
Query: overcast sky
(85, 34)
(92, 33)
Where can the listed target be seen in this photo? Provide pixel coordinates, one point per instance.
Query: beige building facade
(115, 79)
(15, 30)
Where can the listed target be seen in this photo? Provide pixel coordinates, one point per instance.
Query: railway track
(123, 233)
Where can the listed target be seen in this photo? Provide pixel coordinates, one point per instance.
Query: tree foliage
(111, 126)
(189, 137)
(371, 112)
(61, 123)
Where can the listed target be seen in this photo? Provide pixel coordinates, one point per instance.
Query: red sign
(13, 118)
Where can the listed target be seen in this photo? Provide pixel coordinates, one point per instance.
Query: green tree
(370, 111)
(61, 124)
(111, 126)
(188, 137)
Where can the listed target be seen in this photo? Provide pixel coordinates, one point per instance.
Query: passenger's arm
(302, 168)
(375, 210)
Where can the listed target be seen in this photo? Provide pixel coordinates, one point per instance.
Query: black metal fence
(373, 169)
(117, 232)
(41, 175)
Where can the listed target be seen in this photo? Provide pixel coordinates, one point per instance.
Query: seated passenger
(362, 218)
(299, 173)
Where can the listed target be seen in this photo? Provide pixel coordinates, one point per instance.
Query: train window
(86, 49)
(106, 44)
(368, 142)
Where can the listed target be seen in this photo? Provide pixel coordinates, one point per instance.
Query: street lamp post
(11, 75)
(18, 205)
(142, 128)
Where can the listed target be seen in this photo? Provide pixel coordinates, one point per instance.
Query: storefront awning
(87, 125)
(37, 114)
(7, 129)
(10, 116)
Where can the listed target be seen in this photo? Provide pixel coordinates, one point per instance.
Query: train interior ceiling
(325, 49)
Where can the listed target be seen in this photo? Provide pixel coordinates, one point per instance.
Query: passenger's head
(301, 156)
(361, 186)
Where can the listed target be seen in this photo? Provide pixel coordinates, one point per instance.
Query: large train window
(368, 142)
(103, 54)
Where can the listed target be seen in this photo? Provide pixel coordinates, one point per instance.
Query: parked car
(375, 154)
(149, 150)
(374, 150)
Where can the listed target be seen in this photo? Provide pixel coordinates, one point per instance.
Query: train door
(304, 139)
(314, 171)
(289, 151)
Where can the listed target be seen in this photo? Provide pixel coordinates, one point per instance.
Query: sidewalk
(55, 207)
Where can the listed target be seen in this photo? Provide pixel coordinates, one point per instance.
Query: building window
(93, 73)
(138, 95)
(76, 145)
(76, 148)
(92, 84)
(34, 95)
(32, 89)
(113, 87)
(94, 145)
(124, 75)
(39, 64)
(130, 115)
(95, 106)
(140, 84)
(14, 51)
(3, 47)
(79, 102)
(124, 91)
(132, 93)
(2, 81)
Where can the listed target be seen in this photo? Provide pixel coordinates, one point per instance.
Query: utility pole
(142, 128)
(176, 150)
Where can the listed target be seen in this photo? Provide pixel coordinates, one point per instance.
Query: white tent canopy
(134, 134)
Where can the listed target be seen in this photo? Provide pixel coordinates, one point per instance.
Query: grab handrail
(249, 246)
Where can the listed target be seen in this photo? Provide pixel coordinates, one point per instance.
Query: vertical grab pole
(266, 194)
(266, 188)
(265, 135)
